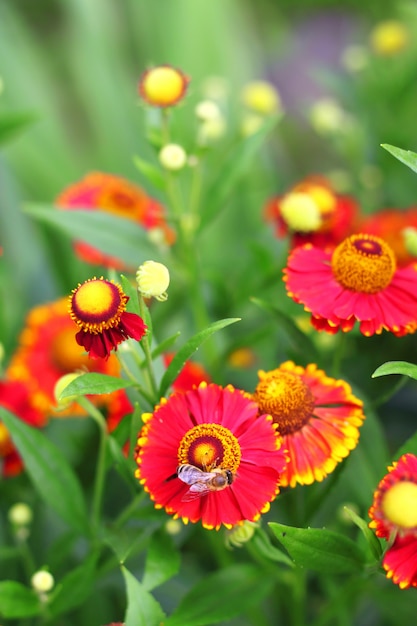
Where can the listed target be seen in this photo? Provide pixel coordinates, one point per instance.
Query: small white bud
(172, 157)
(20, 514)
(42, 581)
(152, 279)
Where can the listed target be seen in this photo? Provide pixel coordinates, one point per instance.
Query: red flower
(191, 375)
(394, 517)
(356, 282)
(15, 397)
(317, 416)
(115, 195)
(98, 308)
(210, 429)
(311, 212)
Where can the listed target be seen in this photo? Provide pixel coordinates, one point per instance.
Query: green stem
(148, 356)
(338, 355)
(101, 460)
(124, 516)
(298, 597)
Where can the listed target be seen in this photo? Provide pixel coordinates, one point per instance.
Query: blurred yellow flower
(262, 97)
(389, 38)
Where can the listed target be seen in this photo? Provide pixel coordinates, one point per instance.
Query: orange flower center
(363, 263)
(286, 397)
(210, 445)
(66, 354)
(97, 305)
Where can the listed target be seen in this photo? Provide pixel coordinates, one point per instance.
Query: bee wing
(197, 490)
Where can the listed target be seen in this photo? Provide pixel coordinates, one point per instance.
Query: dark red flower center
(97, 305)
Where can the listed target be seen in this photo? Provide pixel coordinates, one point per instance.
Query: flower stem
(147, 352)
(101, 460)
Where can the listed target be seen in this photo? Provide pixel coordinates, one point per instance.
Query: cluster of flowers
(218, 454)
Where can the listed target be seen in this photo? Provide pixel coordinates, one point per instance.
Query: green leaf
(124, 541)
(150, 172)
(165, 345)
(319, 549)
(370, 537)
(188, 349)
(396, 367)
(162, 562)
(142, 608)
(121, 463)
(74, 588)
(302, 341)
(230, 173)
(405, 156)
(17, 601)
(13, 123)
(409, 447)
(93, 383)
(115, 236)
(49, 471)
(221, 596)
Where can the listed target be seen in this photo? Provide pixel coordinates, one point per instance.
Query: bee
(201, 483)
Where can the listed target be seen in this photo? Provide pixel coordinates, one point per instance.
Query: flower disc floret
(317, 416)
(363, 263)
(163, 86)
(210, 428)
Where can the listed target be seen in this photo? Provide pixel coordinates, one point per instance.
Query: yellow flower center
(163, 85)
(66, 354)
(300, 212)
(399, 504)
(363, 263)
(97, 305)
(210, 445)
(286, 397)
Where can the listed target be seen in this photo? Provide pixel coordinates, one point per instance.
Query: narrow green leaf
(409, 447)
(142, 608)
(17, 601)
(319, 549)
(13, 123)
(396, 367)
(371, 539)
(162, 562)
(74, 588)
(221, 596)
(407, 157)
(188, 349)
(115, 236)
(165, 345)
(302, 341)
(150, 172)
(131, 291)
(49, 471)
(121, 463)
(237, 164)
(93, 383)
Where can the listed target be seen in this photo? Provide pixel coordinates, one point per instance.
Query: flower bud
(240, 534)
(61, 384)
(207, 110)
(152, 279)
(163, 86)
(389, 38)
(410, 240)
(262, 97)
(20, 514)
(42, 582)
(173, 157)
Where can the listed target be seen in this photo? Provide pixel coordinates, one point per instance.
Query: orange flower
(113, 194)
(47, 350)
(317, 416)
(311, 212)
(391, 225)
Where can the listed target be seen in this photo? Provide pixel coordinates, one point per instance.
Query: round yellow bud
(410, 240)
(172, 157)
(326, 116)
(61, 384)
(241, 534)
(300, 212)
(20, 514)
(173, 527)
(399, 504)
(163, 86)
(42, 581)
(262, 97)
(389, 37)
(211, 130)
(152, 279)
